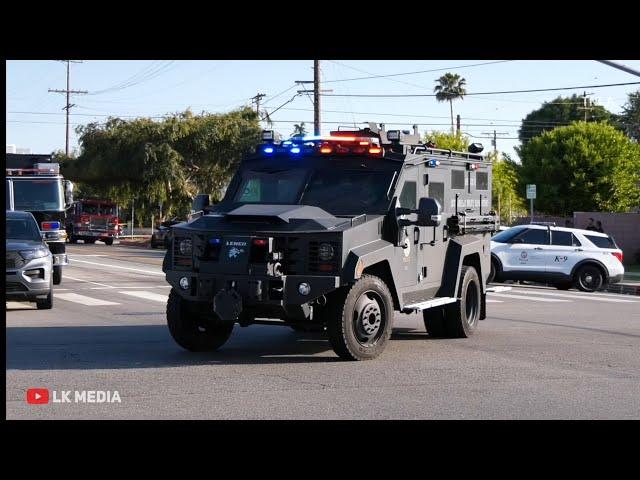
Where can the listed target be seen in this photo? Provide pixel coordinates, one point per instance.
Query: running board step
(497, 289)
(434, 302)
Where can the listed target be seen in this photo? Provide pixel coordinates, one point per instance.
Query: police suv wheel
(461, 318)
(360, 318)
(47, 303)
(589, 278)
(494, 271)
(57, 275)
(192, 330)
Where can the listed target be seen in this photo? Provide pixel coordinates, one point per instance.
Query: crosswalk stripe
(577, 296)
(74, 297)
(495, 301)
(147, 296)
(522, 297)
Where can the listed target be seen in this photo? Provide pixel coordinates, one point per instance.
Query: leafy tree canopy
(582, 166)
(448, 141)
(629, 120)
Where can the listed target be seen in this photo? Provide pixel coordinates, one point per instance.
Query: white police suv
(563, 257)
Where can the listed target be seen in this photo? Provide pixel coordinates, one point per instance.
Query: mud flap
(483, 307)
(227, 304)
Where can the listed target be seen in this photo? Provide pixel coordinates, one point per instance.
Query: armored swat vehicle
(337, 233)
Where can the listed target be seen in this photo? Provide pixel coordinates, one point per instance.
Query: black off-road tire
(461, 318)
(191, 330)
(57, 275)
(359, 319)
(434, 322)
(589, 278)
(108, 241)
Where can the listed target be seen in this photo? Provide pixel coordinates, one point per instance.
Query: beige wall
(624, 227)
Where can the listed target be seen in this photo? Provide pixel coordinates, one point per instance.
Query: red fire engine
(92, 220)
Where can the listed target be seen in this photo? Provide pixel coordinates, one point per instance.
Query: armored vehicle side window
(482, 181)
(436, 191)
(408, 195)
(457, 179)
(533, 237)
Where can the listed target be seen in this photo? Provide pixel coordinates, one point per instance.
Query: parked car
(29, 262)
(563, 257)
(160, 237)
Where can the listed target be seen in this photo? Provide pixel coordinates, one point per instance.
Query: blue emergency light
(433, 163)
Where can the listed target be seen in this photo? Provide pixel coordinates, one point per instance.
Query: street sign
(531, 191)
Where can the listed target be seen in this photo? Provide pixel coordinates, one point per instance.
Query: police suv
(564, 257)
(337, 233)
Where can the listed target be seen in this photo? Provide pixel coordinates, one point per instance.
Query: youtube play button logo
(37, 396)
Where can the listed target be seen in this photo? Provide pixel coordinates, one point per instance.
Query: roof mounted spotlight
(393, 135)
(268, 136)
(476, 148)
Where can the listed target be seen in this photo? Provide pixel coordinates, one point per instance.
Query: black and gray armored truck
(34, 184)
(336, 234)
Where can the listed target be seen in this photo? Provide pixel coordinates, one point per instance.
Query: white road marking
(20, 305)
(74, 297)
(85, 255)
(123, 286)
(522, 297)
(578, 296)
(148, 296)
(102, 285)
(528, 288)
(150, 272)
(495, 301)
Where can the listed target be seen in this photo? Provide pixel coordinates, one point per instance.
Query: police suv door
(527, 251)
(565, 251)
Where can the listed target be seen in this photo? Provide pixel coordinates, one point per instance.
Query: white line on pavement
(123, 286)
(102, 285)
(596, 298)
(495, 301)
(85, 255)
(74, 297)
(150, 272)
(148, 296)
(522, 297)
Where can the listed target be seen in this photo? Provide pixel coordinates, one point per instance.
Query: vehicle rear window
(457, 179)
(565, 239)
(482, 181)
(602, 242)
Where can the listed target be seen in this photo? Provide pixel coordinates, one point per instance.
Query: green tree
(629, 120)
(299, 130)
(150, 162)
(559, 112)
(448, 141)
(451, 86)
(505, 197)
(582, 166)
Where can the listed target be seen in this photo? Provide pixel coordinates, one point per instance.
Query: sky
(132, 88)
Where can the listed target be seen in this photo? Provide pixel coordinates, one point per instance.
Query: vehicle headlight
(185, 247)
(325, 252)
(31, 254)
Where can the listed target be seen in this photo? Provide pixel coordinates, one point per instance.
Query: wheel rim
(369, 318)
(471, 304)
(590, 278)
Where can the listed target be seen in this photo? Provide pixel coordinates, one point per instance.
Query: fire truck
(34, 184)
(91, 220)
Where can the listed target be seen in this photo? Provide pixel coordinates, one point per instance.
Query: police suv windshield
(343, 192)
(22, 228)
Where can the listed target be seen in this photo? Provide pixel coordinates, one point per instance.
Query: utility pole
(256, 99)
(494, 142)
(316, 97)
(458, 124)
(585, 102)
(68, 106)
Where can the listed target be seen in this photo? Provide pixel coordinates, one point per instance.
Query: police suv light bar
(40, 169)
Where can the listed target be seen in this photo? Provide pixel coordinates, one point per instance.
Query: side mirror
(200, 202)
(429, 212)
(68, 192)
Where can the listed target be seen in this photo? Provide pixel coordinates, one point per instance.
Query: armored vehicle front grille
(14, 260)
(317, 265)
(293, 260)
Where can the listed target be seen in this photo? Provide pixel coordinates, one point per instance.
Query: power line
(485, 93)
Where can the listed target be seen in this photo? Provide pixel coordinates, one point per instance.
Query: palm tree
(450, 87)
(299, 130)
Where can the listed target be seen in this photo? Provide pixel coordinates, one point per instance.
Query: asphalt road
(541, 354)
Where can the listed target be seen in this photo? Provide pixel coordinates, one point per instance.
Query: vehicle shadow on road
(150, 346)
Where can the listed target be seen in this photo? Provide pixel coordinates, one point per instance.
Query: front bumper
(19, 285)
(253, 290)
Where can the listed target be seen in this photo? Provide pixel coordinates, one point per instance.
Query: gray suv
(29, 262)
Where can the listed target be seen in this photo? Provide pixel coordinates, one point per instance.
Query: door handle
(578, 250)
(538, 248)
